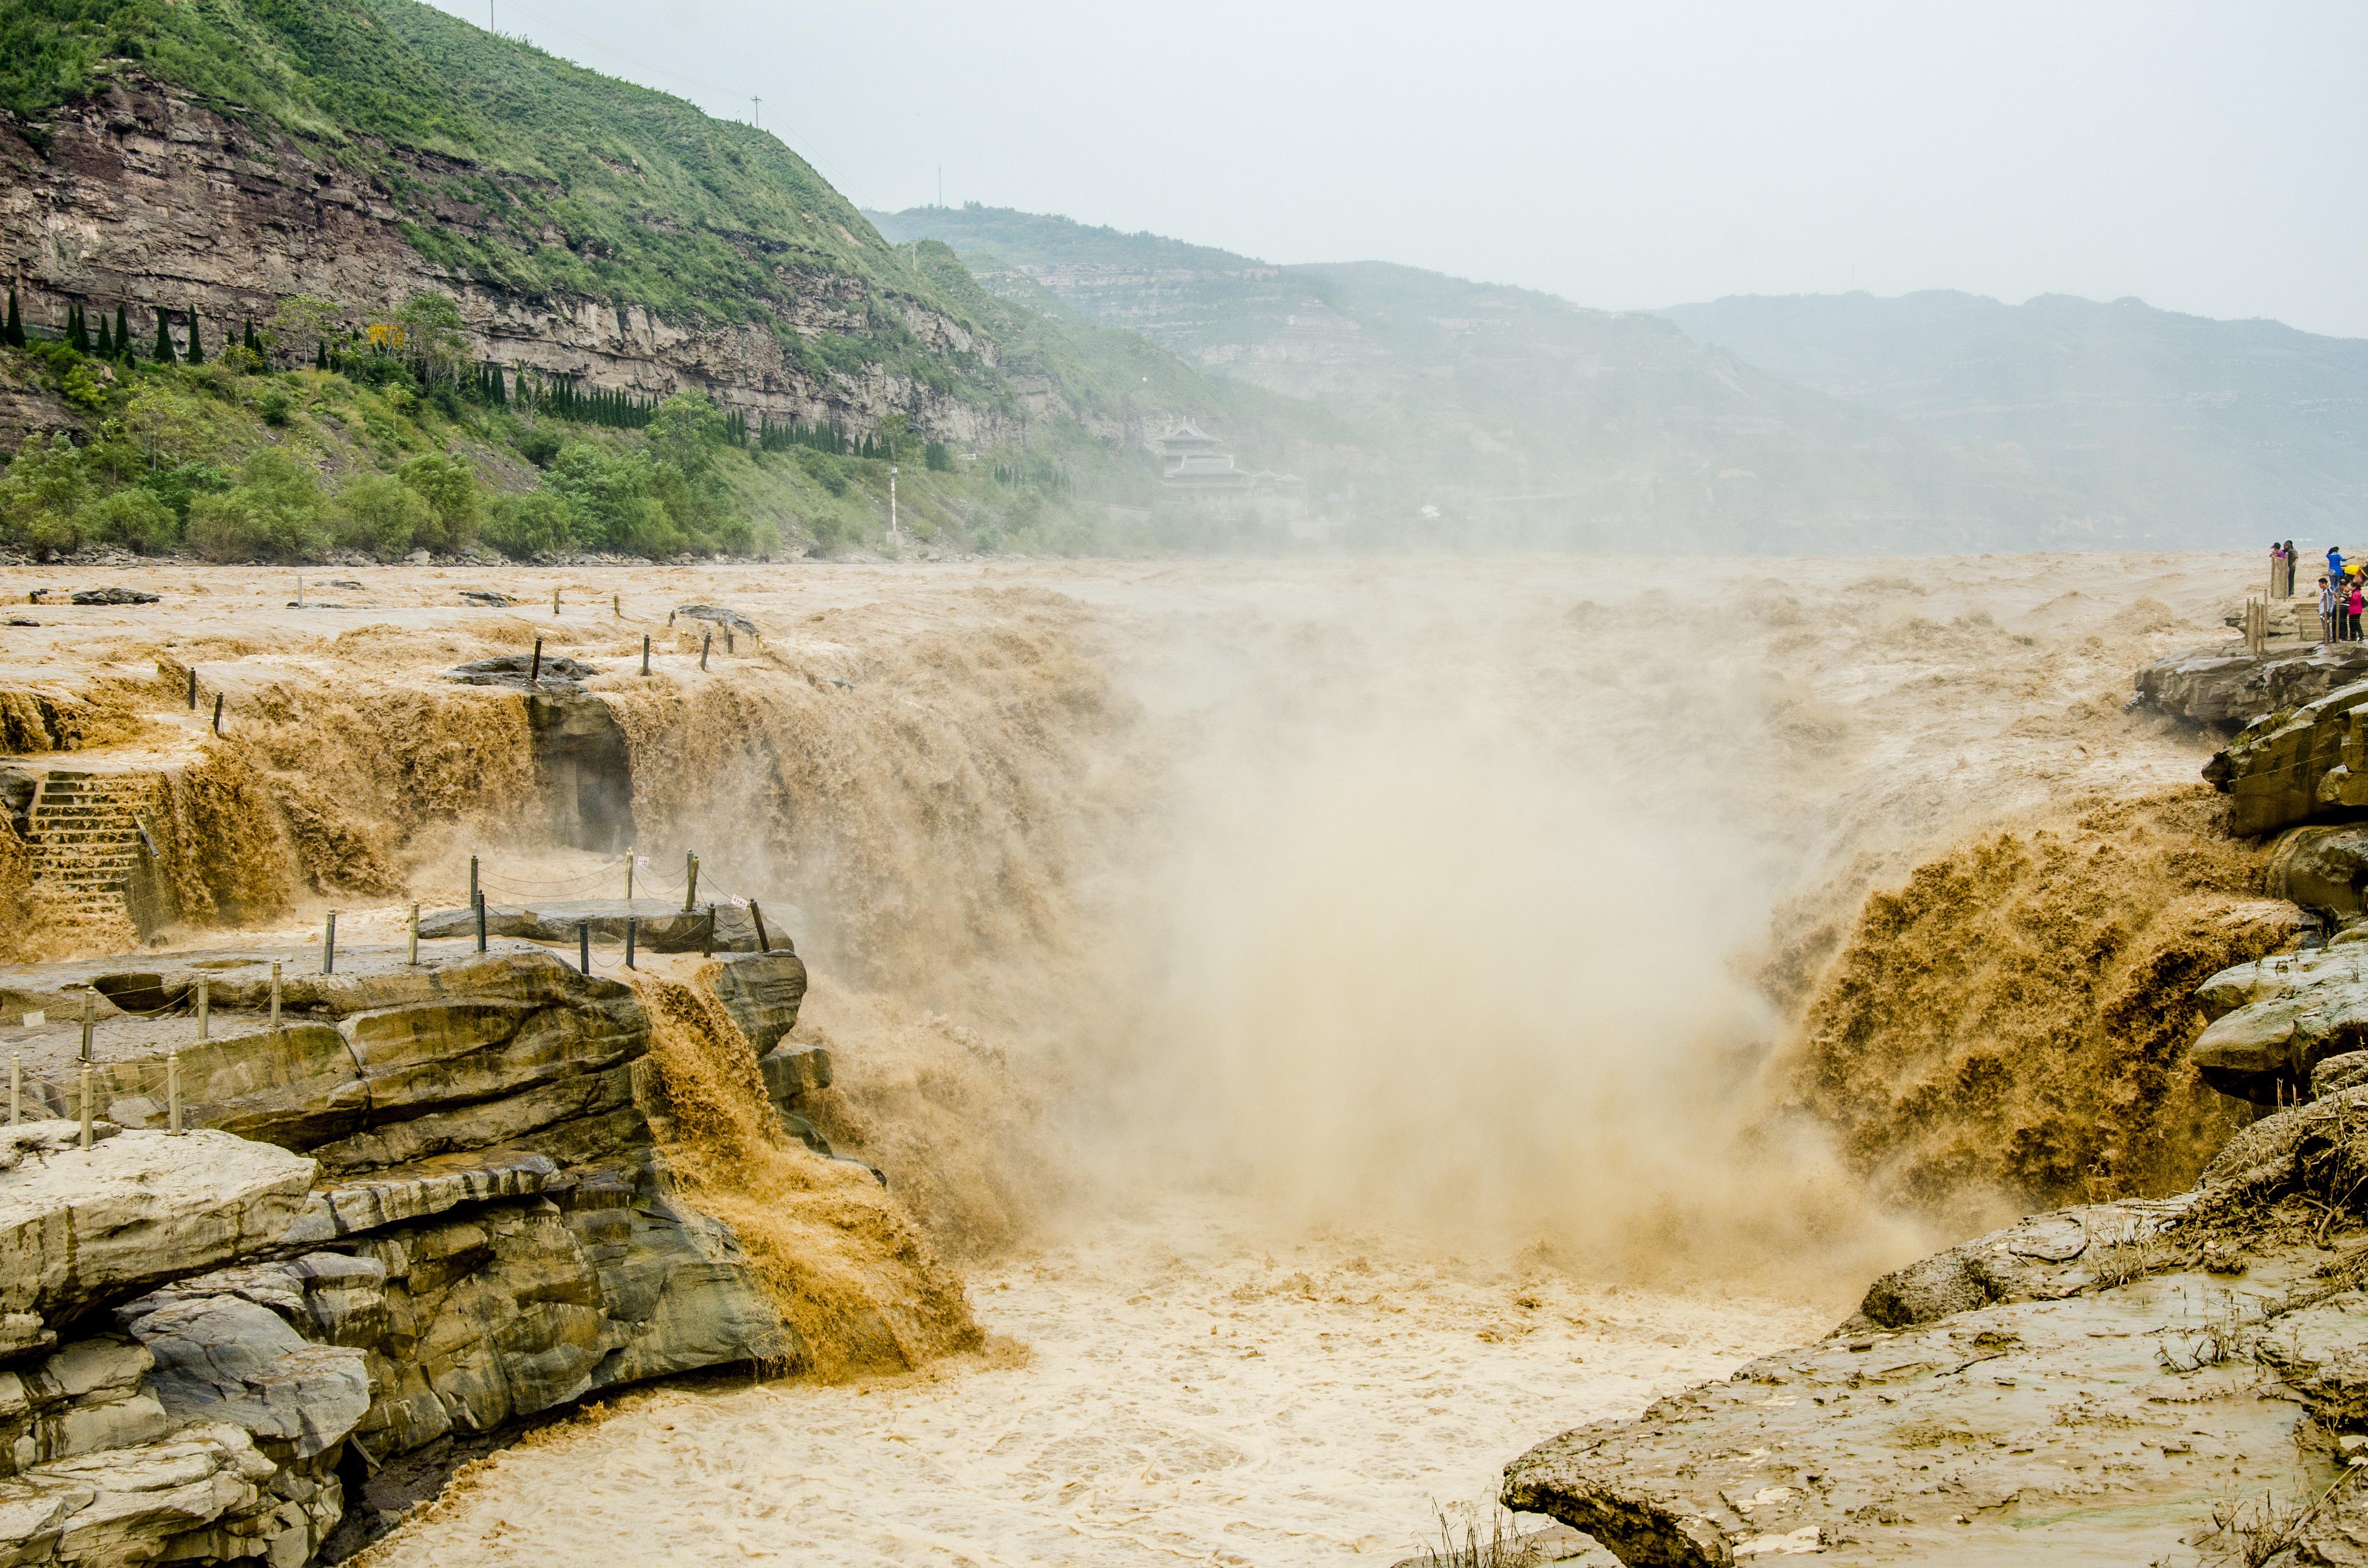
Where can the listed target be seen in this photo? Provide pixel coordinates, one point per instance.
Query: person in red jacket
(2353, 602)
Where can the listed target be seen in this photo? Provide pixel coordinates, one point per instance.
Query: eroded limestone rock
(2276, 1019)
(2294, 765)
(2227, 685)
(79, 1224)
(762, 991)
(2322, 867)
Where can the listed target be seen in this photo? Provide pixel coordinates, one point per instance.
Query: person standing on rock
(2277, 570)
(2293, 564)
(2352, 605)
(2335, 563)
(2326, 611)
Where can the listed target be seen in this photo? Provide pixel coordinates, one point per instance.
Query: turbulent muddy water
(1339, 1014)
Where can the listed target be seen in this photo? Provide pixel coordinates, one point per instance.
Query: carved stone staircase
(86, 842)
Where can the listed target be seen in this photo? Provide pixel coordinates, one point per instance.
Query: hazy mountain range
(1940, 420)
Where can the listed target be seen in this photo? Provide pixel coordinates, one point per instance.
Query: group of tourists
(2342, 593)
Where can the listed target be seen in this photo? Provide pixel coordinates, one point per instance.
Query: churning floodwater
(1324, 1008)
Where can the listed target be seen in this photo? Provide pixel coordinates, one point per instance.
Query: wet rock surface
(203, 1337)
(2324, 869)
(523, 672)
(2227, 685)
(717, 616)
(2294, 765)
(2083, 1386)
(2276, 1019)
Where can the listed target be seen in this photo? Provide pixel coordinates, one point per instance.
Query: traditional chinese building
(1195, 463)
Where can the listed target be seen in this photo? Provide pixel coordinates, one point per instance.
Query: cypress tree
(197, 349)
(320, 354)
(106, 350)
(15, 331)
(76, 338)
(165, 352)
(122, 334)
(248, 340)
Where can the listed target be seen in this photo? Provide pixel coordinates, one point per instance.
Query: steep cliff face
(141, 196)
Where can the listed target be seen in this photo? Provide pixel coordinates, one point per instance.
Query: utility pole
(756, 111)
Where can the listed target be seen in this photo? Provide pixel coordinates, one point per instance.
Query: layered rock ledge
(2229, 685)
(429, 1204)
(2083, 1386)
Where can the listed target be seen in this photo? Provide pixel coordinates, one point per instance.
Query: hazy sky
(2205, 158)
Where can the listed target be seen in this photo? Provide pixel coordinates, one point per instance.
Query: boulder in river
(2276, 1019)
(2324, 869)
(517, 672)
(716, 615)
(113, 596)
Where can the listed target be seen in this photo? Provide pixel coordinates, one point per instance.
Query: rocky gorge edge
(2176, 1380)
(2125, 1382)
(433, 1204)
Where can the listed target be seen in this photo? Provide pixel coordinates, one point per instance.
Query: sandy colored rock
(2279, 1017)
(2227, 685)
(138, 1208)
(2322, 867)
(2294, 765)
(762, 991)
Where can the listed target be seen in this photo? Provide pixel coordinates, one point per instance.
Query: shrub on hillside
(275, 512)
(537, 445)
(182, 484)
(830, 533)
(522, 527)
(825, 469)
(610, 501)
(455, 501)
(44, 487)
(133, 518)
(382, 514)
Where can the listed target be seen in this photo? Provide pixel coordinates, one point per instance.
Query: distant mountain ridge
(1543, 421)
(2195, 430)
(1937, 421)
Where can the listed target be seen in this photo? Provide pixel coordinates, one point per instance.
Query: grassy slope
(653, 203)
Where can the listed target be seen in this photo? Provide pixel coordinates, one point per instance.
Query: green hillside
(2196, 431)
(651, 201)
(540, 181)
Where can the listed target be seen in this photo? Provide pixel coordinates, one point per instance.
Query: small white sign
(35, 1018)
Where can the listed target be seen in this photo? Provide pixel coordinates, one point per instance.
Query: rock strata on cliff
(2228, 685)
(2298, 765)
(146, 196)
(203, 1337)
(2083, 1386)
